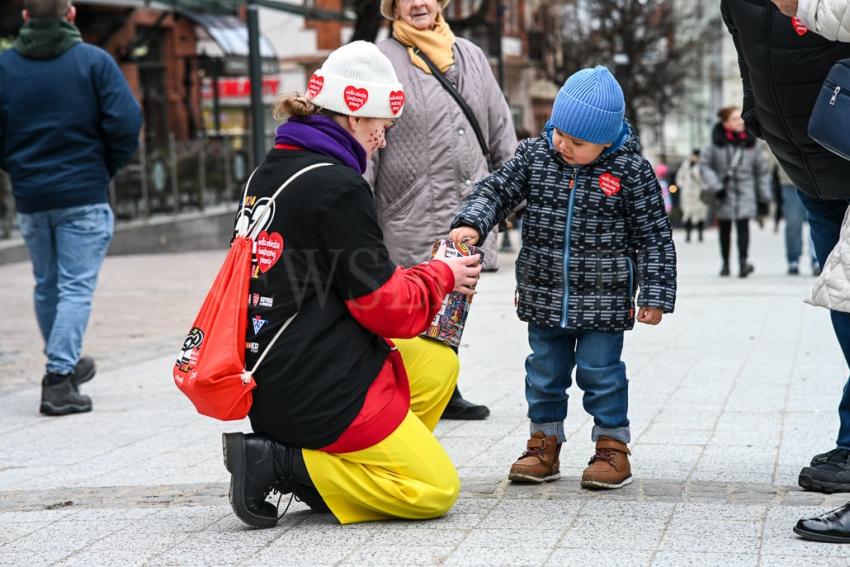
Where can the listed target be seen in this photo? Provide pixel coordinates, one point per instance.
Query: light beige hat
(357, 80)
(387, 7)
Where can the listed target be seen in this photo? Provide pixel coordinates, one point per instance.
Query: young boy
(594, 229)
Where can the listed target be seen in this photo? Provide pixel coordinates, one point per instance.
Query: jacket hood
(46, 38)
(718, 137)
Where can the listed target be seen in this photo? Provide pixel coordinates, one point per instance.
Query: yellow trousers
(408, 475)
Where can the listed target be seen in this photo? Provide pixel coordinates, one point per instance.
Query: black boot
(746, 269)
(832, 527)
(83, 371)
(828, 472)
(459, 408)
(724, 271)
(59, 396)
(257, 466)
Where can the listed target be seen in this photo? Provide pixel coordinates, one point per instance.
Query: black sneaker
(83, 371)
(832, 527)
(59, 396)
(793, 270)
(828, 472)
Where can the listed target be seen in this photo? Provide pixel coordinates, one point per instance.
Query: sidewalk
(730, 396)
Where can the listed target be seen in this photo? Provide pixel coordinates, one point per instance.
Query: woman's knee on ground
(437, 499)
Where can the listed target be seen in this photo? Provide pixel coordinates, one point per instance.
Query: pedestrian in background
(735, 171)
(661, 172)
(433, 156)
(783, 63)
(790, 208)
(68, 123)
(694, 209)
(595, 231)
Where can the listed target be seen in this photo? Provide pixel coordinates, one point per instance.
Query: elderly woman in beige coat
(433, 157)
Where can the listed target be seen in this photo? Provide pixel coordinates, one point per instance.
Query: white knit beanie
(387, 7)
(357, 80)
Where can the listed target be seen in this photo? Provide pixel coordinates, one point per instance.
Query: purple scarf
(321, 134)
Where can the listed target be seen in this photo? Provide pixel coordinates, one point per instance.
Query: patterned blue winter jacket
(601, 227)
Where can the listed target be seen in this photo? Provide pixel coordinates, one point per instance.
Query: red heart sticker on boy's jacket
(315, 85)
(799, 27)
(396, 101)
(610, 184)
(269, 249)
(355, 98)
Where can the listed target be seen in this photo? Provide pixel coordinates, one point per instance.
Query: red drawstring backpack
(210, 368)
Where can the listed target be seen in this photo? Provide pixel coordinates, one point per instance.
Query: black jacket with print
(612, 215)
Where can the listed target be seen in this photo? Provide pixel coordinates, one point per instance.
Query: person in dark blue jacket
(68, 123)
(594, 231)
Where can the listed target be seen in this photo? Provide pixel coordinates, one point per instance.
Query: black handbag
(464, 107)
(829, 124)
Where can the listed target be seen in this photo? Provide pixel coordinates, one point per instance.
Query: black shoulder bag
(460, 102)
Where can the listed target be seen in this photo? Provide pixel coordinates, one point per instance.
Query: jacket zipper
(631, 279)
(769, 18)
(565, 309)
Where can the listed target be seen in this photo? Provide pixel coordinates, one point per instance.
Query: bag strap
(737, 156)
(464, 107)
(252, 231)
(248, 374)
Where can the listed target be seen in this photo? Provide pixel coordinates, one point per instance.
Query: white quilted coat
(829, 18)
(832, 288)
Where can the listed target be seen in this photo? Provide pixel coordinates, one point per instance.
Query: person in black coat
(783, 65)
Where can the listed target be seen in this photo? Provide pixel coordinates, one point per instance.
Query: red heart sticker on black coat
(269, 249)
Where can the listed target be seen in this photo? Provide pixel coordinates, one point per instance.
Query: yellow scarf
(436, 44)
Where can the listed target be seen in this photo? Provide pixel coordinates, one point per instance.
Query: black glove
(721, 195)
(762, 208)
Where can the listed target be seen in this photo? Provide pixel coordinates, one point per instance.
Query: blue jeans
(599, 373)
(795, 216)
(825, 219)
(66, 247)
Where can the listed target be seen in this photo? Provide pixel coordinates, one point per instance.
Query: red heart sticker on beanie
(314, 86)
(396, 101)
(610, 184)
(269, 249)
(355, 98)
(799, 27)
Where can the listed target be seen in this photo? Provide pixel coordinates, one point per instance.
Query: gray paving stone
(380, 554)
(564, 556)
(517, 555)
(667, 559)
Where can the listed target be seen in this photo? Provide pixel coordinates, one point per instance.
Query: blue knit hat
(590, 106)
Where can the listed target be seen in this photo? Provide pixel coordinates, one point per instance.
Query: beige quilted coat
(828, 18)
(432, 158)
(832, 287)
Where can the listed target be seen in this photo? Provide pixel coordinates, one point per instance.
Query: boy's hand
(464, 235)
(650, 315)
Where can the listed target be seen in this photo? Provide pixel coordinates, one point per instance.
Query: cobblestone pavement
(729, 397)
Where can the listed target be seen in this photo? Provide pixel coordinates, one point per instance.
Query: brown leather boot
(539, 462)
(609, 466)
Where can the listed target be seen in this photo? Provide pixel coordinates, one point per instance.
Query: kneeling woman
(343, 418)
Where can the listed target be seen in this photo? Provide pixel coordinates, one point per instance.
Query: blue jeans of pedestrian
(825, 219)
(599, 373)
(66, 248)
(795, 215)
